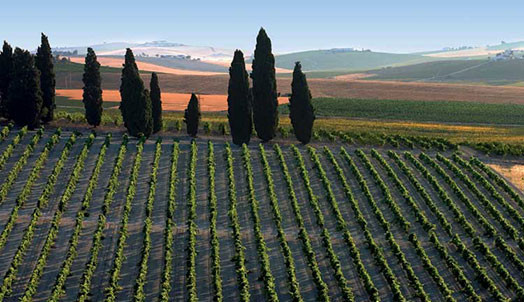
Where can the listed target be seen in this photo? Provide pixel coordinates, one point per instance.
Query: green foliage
(213, 214)
(44, 63)
(114, 275)
(418, 111)
(92, 96)
(266, 275)
(239, 111)
(24, 96)
(170, 223)
(74, 240)
(301, 110)
(18, 258)
(141, 279)
(52, 234)
(90, 267)
(6, 67)
(191, 283)
(277, 217)
(20, 163)
(156, 103)
(135, 100)
(10, 148)
(265, 95)
(240, 257)
(192, 115)
(322, 289)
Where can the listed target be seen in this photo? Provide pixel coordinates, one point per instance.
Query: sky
(392, 26)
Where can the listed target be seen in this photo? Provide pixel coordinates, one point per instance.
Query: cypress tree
(92, 96)
(265, 100)
(24, 94)
(156, 103)
(192, 115)
(136, 102)
(239, 111)
(301, 110)
(6, 67)
(44, 63)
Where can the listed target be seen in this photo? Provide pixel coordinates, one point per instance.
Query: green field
(470, 71)
(327, 60)
(69, 105)
(419, 111)
(66, 66)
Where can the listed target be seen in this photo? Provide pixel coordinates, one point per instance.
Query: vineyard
(104, 217)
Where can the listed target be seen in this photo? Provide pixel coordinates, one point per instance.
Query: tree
(301, 110)
(24, 94)
(239, 111)
(135, 102)
(265, 100)
(6, 67)
(192, 115)
(44, 63)
(92, 96)
(156, 103)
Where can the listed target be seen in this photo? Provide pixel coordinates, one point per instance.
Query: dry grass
(117, 63)
(170, 101)
(361, 89)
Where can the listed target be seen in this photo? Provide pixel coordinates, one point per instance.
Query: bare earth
(514, 173)
(117, 63)
(170, 101)
(339, 88)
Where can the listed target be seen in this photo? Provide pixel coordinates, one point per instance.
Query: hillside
(85, 218)
(317, 60)
(471, 71)
(154, 49)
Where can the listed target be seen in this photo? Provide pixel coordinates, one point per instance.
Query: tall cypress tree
(265, 100)
(44, 63)
(301, 110)
(92, 96)
(6, 67)
(136, 102)
(156, 103)
(192, 115)
(239, 111)
(24, 94)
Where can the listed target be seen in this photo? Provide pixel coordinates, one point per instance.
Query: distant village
(508, 54)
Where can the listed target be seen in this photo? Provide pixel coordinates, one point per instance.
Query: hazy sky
(397, 26)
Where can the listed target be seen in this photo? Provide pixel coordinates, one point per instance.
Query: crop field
(101, 218)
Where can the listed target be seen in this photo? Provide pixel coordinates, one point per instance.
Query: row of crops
(294, 223)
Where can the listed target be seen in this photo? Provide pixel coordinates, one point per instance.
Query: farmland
(92, 218)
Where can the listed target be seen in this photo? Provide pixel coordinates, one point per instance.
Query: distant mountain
(156, 49)
(346, 60)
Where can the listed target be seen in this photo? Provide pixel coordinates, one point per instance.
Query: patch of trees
(27, 85)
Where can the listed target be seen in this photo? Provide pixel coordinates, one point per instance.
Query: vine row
(322, 289)
(240, 258)
(113, 288)
(90, 267)
(277, 217)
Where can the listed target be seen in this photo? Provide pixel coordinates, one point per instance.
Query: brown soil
(341, 88)
(170, 101)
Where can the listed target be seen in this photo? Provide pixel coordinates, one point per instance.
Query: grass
(318, 60)
(70, 105)
(468, 71)
(66, 66)
(419, 111)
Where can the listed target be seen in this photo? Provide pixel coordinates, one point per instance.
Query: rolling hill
(472, 71)
(337, 60)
